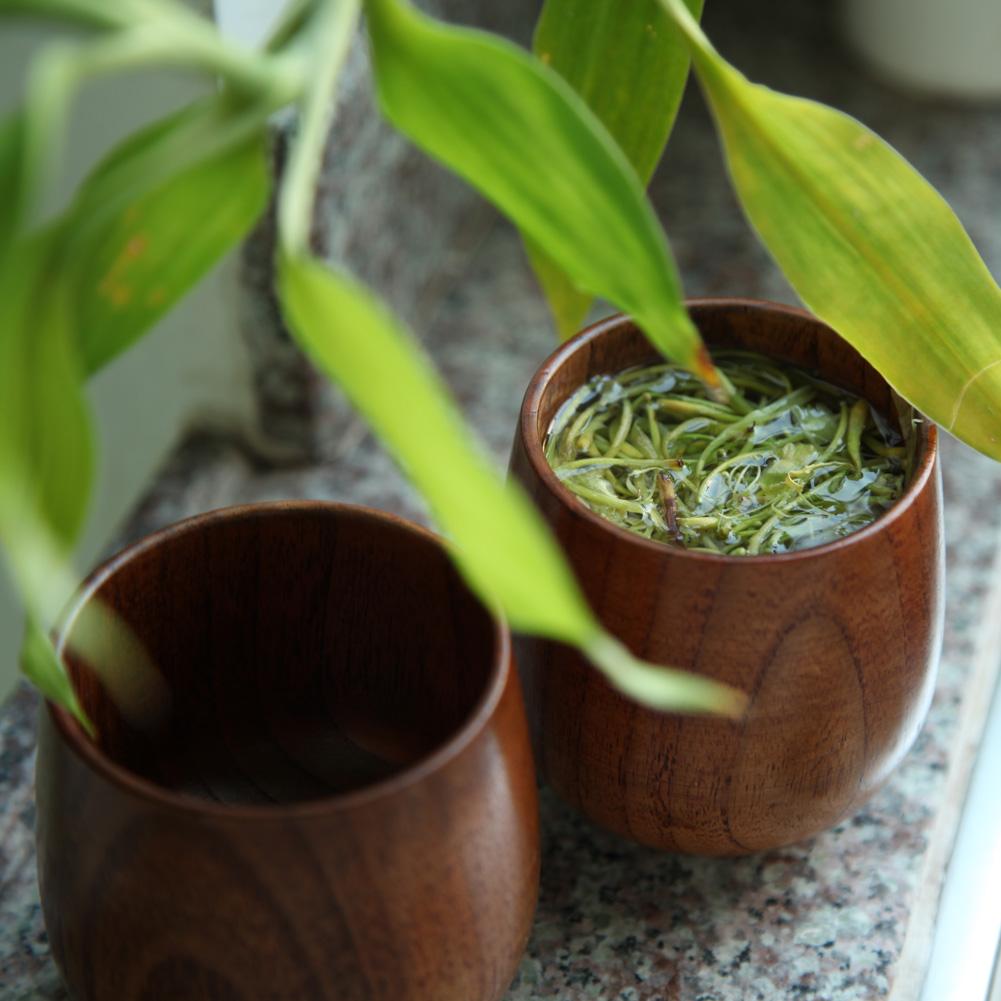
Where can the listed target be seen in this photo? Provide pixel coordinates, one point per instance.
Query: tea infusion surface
(787, 462)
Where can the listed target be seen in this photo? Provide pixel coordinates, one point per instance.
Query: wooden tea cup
(836, 646)
(342, 805)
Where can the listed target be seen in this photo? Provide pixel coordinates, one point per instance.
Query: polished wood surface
(836, 646)
(343, 803)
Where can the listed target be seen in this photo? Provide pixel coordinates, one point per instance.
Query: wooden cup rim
(73, 734)
(533, 445)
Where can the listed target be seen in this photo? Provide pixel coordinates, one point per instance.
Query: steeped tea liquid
(789, 461)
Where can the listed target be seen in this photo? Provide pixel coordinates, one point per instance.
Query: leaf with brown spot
(134, 264)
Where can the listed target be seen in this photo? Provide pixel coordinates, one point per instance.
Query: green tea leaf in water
(789, 462)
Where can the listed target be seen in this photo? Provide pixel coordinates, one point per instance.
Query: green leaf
(43, 668)
(518, 132)
(167, 147)
(144, 227)
(99, 636)
(629, 63)
(567, 303)
(46, 472)
(359, 345)
(868, 244)
(87, 13)
(46, 447)
(133, 257)
(499, 541)
(11, 140)
(48, 297)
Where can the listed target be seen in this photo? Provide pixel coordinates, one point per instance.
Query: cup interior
(784, 333)
(309, 650)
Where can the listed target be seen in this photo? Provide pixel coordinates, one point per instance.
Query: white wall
(191, 367)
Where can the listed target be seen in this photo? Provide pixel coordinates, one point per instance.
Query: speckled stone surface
(827, 919)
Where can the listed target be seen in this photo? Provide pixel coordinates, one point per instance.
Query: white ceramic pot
(945, 47)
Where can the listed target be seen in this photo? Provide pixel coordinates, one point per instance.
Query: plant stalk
(332, 37)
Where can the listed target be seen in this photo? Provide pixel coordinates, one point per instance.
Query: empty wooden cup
(836, 646)
(342, 806)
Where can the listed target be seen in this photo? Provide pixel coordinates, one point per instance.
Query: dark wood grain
(343, 803)
(836, 646)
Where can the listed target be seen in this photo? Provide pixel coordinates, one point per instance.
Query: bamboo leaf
(89, 13)
(867, 243)
(46, 579)
(134, 257)
(11, 138)
(137, 237)
(567, 303)
(43, 668)
(167, 147)
(500, 542)
(153, 217)
(46, 448)
(518, 132)
(46, 471)
(629, 63)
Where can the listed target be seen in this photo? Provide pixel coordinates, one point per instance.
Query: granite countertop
(845, 916)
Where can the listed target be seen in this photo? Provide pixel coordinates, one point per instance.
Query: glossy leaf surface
(139, 244)
(500, 542)
(42, 667)
(518, 132)
(46, 446)
(91, 13)
(144, 227)
(867, 243)
(46, 451)
(629, 63)
(11, 135)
